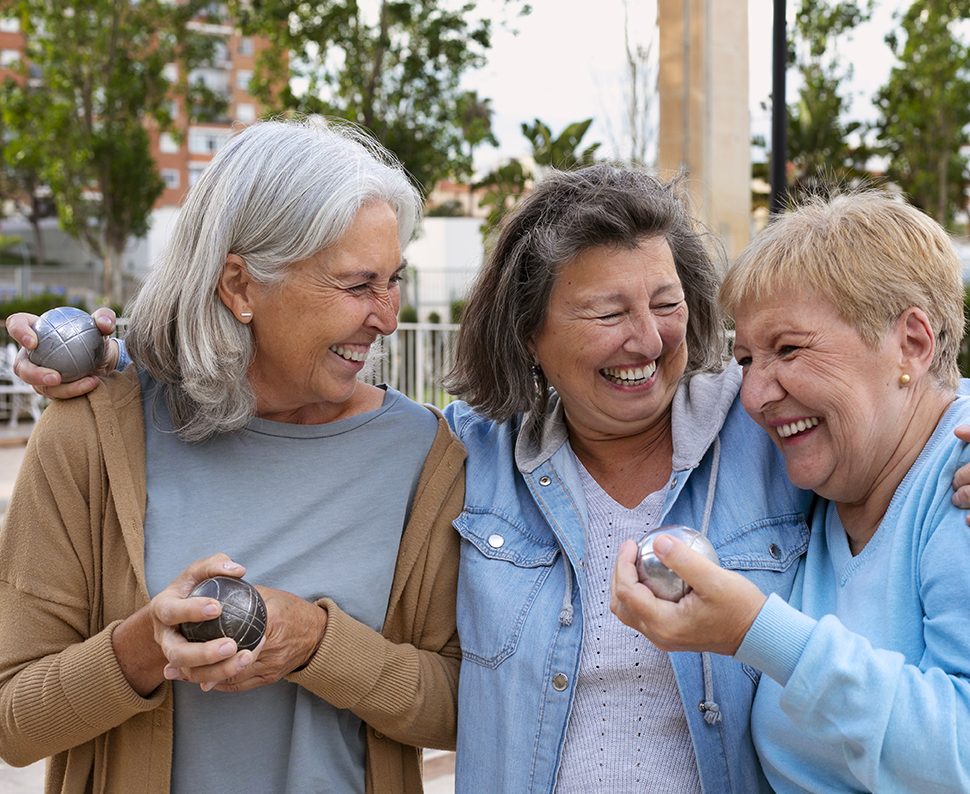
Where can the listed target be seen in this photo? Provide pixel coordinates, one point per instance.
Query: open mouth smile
(629, 376)
(357, 356)
(794, 428)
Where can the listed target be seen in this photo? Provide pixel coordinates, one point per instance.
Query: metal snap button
(559, 682)
(496, 541)
(545, 479)
(774, 551)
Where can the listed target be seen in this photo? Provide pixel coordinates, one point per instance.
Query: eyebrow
(616, 297)
(370, 275)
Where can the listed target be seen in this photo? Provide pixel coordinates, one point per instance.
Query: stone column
(704, 118)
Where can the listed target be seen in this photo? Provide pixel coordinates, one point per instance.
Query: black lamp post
(779, 113)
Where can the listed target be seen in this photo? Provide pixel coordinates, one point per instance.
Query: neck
(628, 468)
(365, 398)
(861, 517)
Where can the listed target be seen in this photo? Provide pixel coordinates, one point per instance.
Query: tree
(925, 107)
(101, 66)
(475, 118)
(824, 148)
(507, 184)
(397, 74)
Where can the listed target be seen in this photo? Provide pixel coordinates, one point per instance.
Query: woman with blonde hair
(849, 316)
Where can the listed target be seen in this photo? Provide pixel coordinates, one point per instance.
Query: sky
(565, 63)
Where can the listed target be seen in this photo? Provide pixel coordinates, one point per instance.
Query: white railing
(414, 360)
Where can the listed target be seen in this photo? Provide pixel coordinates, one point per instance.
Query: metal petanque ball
(662, 581)
(243, 616)
(69, 341)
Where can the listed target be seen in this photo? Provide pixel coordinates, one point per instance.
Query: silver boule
(662, 581)
(69, 341)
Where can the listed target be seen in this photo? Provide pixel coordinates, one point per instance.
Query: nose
(383, 315)
(759, 388)
(644, 337)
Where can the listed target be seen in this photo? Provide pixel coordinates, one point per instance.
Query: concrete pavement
(439, 766)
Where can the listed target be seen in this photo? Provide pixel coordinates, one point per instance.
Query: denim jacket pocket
(766, 551)
(503, 568)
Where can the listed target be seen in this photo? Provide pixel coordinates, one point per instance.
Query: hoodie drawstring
(708, 706)
(566, 611)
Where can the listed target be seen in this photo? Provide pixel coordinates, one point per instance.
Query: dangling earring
(904, 379)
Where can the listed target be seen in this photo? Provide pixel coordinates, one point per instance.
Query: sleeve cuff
(776, 639)
(123, 358)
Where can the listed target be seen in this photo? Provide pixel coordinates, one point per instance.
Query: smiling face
(613, 340)
(314, 329)
(831, 402)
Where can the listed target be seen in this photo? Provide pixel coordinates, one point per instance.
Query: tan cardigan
(72, 567)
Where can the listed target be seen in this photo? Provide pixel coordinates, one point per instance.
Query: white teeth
(350, 355)
(629, 375)
(786, 431)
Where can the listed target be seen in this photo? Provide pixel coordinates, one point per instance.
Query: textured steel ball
(662, 581)
(243, 616)
(69, 341)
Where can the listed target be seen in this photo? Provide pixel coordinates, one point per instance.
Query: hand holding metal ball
(243, 616)
(662, 581)
(69, 341)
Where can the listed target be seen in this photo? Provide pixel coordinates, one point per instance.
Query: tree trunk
(111, 275)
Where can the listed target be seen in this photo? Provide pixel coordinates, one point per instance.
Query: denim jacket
(519, 602)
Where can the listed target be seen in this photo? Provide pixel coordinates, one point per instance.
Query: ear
(236, 288)
(917, 342)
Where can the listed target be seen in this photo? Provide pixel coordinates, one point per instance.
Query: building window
(167, 143)
(9, 25)
(246, 112)
(243, 76)
(8, 58)
(207, 141)
(170, 72)
(246, 46)
(171, 178)
(195, 171)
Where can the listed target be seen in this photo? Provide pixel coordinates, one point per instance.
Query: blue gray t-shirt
(317, 510)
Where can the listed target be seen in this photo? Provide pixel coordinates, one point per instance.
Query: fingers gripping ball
(662, 581)
(243, 616)
(69, 341)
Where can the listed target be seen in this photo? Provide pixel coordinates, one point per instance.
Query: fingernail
(227, 648)
(228, 566)
(207, 686)
(50, 380)
(245, 659)
(663, 544)
(26, 339)
(210, 610)
(170, 673)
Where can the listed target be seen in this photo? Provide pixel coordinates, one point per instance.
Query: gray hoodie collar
(700, 406)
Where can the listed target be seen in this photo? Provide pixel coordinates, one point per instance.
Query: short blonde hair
(873, 256)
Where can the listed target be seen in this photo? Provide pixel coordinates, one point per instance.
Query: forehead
(609, 268)
(782, 311)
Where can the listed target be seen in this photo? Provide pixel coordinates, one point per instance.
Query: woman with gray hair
(243, 437)
(849, 315)
(598, 407)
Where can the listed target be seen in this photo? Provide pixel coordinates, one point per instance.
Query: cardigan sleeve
(839, 689)
(60, 682)
(403, 681)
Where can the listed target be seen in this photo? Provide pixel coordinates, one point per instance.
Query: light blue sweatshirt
(869, 686)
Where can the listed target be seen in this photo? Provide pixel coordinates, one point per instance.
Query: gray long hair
(277, 193)
(568, 213)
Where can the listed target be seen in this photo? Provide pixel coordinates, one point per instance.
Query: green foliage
(508, 183)
(408, 314)
(398, 74)
(37, 304)
(457, 309)
(925, 106)
(434, 317)
(825, 149)
(449, 209)
(81, 124)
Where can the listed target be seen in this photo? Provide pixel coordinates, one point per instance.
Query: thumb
(691, 566)
(962, 432)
